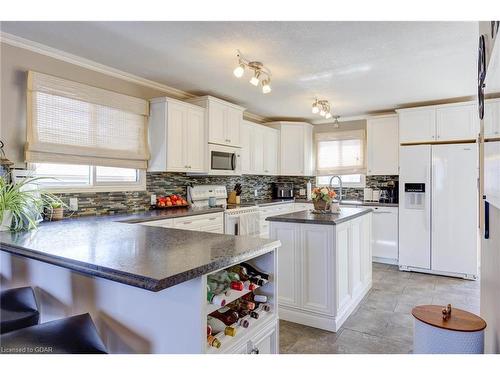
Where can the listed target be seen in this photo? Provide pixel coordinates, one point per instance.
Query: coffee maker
(392, 191)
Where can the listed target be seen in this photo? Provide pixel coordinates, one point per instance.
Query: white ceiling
(360, 67)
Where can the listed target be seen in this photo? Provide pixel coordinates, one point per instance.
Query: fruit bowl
(171, 201)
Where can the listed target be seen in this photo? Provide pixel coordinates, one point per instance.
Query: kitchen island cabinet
(325, 265)
(144, 286)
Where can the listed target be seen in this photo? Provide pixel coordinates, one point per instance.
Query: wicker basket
(321, 205)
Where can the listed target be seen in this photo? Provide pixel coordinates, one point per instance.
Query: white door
(415, 221)
(216, 122)
(417, 125)
(454, 208)
(382, 146)
(456, 123)
(176, 119)
(233, 120)
(317, 261)
(194, 141)
(292, 150)
(492, 119)
(246, 147)
(258, 149)
(385, 234)
(271, 151)
(288, 264)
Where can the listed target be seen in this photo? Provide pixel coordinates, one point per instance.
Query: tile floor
(382, 322)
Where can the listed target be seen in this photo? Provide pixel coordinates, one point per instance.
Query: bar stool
(74, 335)
(18, 309)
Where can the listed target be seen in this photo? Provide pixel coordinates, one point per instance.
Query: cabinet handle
(254, 351)
(187, 222)
(212, 218)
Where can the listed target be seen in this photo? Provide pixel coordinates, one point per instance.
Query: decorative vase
(321, 205)
(6, 221)
(57, 214)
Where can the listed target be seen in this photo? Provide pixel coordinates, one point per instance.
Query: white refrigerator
(438, 209)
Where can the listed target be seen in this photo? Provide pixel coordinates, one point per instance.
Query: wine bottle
(264, 307)
(241, 271)
(213, 341)
(226, 315)
(251, 270)
(209, 330)
(260, 298)
(216, 299)
(254, 314)
(248, 285)
(219, 326)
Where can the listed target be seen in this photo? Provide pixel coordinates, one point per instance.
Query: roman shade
(73, 123)
(340, 152)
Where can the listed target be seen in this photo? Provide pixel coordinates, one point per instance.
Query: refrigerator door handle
(486, 220)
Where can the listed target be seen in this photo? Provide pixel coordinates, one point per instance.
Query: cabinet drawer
(199, 220)
(217, 228)
(166, 223)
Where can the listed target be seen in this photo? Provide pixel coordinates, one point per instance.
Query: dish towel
(249, 224)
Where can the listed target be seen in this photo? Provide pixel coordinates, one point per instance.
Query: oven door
(224, 160)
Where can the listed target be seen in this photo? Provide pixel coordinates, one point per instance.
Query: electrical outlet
(256, 193)
(73, 204)
(302, 192)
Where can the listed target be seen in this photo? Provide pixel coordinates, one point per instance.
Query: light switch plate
(73, 204)
(302, 191)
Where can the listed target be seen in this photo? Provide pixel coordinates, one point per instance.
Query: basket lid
(457, 320)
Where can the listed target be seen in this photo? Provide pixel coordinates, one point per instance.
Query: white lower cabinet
(325, 270)
(213, 223)
(279, 209)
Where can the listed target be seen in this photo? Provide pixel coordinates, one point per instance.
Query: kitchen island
(325, 265)
(144, 286)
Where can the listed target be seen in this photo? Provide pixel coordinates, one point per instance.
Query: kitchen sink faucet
(340, 186)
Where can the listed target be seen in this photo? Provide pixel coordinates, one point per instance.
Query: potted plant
(322, 198)
(55, 211)
(21, 203)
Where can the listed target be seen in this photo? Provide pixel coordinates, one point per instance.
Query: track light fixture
(261, 75)
(322, 107)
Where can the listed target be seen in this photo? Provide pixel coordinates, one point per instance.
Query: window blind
(340, 152)
(73, 123)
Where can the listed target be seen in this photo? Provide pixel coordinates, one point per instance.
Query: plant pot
(57, 214)
(6, 221)
(321, 205)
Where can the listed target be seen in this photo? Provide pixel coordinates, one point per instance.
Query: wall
(14, 63)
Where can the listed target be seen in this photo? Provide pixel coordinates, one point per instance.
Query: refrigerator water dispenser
(415, 196)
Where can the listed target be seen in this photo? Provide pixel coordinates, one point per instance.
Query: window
(340, 153)
(348, 180)
(73, 177)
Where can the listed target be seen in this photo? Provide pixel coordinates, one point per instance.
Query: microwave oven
(224, 160)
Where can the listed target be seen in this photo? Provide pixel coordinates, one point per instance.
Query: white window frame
(361, 184)
(94, 186)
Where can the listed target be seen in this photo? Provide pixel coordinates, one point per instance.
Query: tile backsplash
(162, 183)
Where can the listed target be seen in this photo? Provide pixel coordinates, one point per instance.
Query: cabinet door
(343, 293)
(232, 123)
(292, 150)
(355, 263)
(417, 125)
(492, 120)
(317, 263)
(257, 149)
(385, 233)
(307, 147)
(246, 147)
(216, 123)
(288, 264)
(176, 157)
(366, 249)
(194, 141)
(271, 151)
(382, 146)
(456, 123)
(265, 342)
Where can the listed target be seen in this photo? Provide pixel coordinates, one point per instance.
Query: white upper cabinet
(296, 151)
(224, 120)
(441, 123)
(382, 146)
(417, 125)
(492, 119)
(455, 123)
(259, 149)
(177, 137)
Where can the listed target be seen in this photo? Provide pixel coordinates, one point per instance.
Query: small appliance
(283, 190)
(224, 160)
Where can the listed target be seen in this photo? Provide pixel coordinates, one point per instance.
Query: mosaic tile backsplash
(162, 183)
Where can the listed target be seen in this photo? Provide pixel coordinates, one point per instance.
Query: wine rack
(261, 335)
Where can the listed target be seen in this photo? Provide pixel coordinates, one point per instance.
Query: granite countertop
(351, 202)
(308, 217)
(169, 213)
(265, 202)
(151, 258)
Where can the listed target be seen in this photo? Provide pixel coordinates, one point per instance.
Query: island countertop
(309, 217)
(151, 258)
